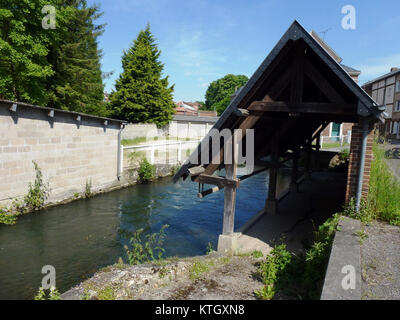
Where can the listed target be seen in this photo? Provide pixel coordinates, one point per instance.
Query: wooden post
(295, 169)
(271, 205)
(316, 154)
(230, 192)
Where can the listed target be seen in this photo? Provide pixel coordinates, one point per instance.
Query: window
(398, 86)
(397, 107)
(395, 127)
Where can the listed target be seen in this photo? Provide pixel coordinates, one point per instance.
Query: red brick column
(354, 162)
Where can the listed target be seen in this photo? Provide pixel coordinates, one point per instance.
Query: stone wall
(70, 149)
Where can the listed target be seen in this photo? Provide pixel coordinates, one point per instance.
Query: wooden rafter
(304, 107)
(320, 81)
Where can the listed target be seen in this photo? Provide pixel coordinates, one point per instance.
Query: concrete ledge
(344, 264)
(228, 243)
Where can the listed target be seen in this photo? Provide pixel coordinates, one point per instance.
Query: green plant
(7, 217)
(257, 254)
(210, 248)
(298, 276)
(317, 257)
(38, 191)
(146, 171)
(272, 270)
(362, 235)
(148, 249)
(52, 295)
(197, 269)
(88, 188)
(106, 293)
(384, 189)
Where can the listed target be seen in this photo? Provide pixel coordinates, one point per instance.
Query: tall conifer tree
(77, 82)
(142, 95)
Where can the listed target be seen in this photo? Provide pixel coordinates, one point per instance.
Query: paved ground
(392, 153)
(299, 214)
(380, 262)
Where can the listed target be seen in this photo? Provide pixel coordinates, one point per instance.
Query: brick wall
(68, 152)
(355, 153)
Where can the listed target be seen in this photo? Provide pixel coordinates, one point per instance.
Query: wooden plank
(305, 107)
(297, 79)
(319, 80)
(242, 178)
(195, 171)
(218, 181)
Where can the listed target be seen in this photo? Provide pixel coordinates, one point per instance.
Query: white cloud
(376, 67)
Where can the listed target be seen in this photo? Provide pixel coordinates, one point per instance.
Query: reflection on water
(81, 237)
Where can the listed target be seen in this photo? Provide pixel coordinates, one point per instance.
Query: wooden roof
(298, 89)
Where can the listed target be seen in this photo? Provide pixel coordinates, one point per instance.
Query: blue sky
(203, 40)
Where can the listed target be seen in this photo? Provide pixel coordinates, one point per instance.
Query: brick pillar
(354, 162)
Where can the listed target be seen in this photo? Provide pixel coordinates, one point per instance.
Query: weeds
(38, 193)
(88, 188)
(43, 295)
(285, 273)
(197, 269)
(148, 249)
(146, 171)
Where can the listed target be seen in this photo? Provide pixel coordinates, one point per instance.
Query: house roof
(387, 75)
(351, 71)
(294, 43)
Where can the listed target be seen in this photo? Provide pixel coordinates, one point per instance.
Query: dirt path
(212, 277)
(380, 262)
(392, 153)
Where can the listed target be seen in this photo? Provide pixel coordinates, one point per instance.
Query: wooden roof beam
(320, 81)
(304, 107)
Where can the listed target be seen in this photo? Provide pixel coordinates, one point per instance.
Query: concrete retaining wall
(343, 275)
(70, 149)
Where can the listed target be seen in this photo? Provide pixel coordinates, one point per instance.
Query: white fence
(344, 139)
(168, 152)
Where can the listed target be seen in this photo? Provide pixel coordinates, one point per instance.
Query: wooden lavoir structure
(295, 93)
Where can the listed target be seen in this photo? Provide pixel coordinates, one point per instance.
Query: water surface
(81, 237)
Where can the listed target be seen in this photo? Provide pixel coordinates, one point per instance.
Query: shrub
(148, 249)
(88, 188)
(38, 191)
(52, 295)
(146, 171)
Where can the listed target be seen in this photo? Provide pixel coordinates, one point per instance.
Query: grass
(383, 201)
(384, 189)
(198, 268)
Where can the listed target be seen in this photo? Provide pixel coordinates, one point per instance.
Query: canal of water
(81, 237)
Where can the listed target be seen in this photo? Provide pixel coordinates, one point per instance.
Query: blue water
(81, 237)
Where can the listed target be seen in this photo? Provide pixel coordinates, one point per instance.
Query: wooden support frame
(220, 182)
(230, 191)
(295, 172)
(271, 205)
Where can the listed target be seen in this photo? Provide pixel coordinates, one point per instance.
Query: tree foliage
(219, 91)
(24, 45)
(77, 83)
(142, 95)
(57, 67)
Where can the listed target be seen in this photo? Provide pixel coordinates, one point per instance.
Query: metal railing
(153, 147)
(334, 139)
